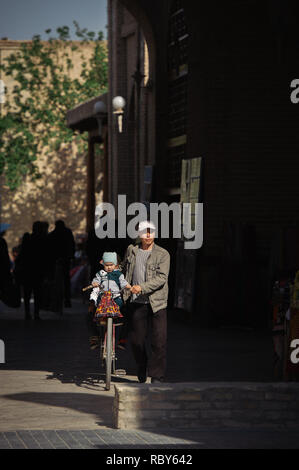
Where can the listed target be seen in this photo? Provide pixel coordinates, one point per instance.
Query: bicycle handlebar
(96, 287)
(87, 287)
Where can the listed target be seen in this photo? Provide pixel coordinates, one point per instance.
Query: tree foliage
(34, 115)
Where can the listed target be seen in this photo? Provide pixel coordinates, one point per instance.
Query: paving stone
(125, 438)
(109, 437)
(82, 440)
(94, 438)
(14, 441)
(4, 442)
(28, 439)
(55, 440)
(165, 439)
(42, 439)
(70, 440)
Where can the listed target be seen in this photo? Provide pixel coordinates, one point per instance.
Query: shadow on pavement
(98, 406)
(59, 345)
(86, 380)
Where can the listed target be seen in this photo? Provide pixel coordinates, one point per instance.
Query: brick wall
(242, 57)
(196, 405)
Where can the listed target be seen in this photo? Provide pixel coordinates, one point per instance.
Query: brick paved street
(119, 439)
(52, 392)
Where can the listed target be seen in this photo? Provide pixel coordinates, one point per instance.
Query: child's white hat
(109, 257)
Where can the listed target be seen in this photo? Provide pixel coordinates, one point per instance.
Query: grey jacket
(157, 270)
(102, 278)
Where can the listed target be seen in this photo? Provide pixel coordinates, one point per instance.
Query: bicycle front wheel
(108, 352)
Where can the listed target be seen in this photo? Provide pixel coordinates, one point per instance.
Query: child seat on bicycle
(108, 279)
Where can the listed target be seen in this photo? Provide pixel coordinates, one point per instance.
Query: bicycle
(107, 325)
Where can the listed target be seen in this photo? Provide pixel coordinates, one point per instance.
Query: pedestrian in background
(62, 249)
(9, 291)
(5, 265)
(32, 267)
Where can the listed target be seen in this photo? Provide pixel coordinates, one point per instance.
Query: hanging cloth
(107, 307)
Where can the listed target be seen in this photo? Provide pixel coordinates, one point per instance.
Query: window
(177, 92)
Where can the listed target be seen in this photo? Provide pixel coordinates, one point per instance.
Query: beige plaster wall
(61, 190)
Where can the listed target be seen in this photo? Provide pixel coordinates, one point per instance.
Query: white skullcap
(145, 225)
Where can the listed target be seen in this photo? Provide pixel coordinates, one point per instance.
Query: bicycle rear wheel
(108, 359)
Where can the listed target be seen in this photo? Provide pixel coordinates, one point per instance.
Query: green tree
(34, 115)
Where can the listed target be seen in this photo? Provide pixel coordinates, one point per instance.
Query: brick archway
(136, 10)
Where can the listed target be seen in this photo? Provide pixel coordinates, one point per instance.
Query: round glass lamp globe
(118, 102)
(99, 107)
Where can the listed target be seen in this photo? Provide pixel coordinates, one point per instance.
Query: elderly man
(146, 268)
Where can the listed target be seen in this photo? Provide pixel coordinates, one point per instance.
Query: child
(109, 278)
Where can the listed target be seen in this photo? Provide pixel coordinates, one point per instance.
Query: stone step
(206, 404)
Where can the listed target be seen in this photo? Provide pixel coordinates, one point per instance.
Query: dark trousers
(67, 279)
(92, 328)
(35, 287)
(141, 319)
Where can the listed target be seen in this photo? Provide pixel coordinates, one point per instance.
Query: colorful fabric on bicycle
(108, 307)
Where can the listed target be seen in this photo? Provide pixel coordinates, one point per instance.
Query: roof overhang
(83, 117)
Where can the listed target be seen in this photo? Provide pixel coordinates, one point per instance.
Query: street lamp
(99, 109)
(118, 104)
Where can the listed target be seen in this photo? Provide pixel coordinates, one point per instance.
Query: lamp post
(99, 112)
(118, 104)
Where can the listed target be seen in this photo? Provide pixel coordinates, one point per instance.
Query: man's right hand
(136, 289)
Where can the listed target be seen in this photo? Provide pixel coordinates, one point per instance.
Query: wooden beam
(90, 200)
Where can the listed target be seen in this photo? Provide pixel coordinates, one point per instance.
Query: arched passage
(136, 10)
(132, 75)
